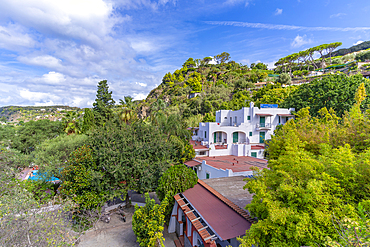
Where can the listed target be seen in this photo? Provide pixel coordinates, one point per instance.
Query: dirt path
(114, 234)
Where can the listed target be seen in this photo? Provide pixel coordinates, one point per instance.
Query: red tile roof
(197, 145)
(257, 147)
(285, 115)
(227, 221)
(234, 163)
(264, 114)
(192, 163)
(220, 146)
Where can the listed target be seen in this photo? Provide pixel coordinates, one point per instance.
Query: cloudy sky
(56, 51)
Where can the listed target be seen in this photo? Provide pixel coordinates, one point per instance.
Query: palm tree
(127, 113)
(72, 122)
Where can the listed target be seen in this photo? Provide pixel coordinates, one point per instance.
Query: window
(250, 133)
(235, 120)
(208, 175)
(202, 153)
(205, 134)
(249, 118)
(254, 154)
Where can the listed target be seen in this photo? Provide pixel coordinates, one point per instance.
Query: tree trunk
(127, 201)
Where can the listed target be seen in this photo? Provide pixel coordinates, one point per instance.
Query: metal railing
(263, 126)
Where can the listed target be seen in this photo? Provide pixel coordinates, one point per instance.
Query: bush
(148, 221)
(285, 79)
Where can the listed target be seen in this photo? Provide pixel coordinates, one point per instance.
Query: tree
(131, 156)
(168, 79)
(24, 221)
(72, 123)
(206, 60)
(83, 180)
(222, 58)
(194, 84)
(189, 64)
(334, 91)
(331, 47)
(33, 133)
(102, 107)
(52, 155)
(177, 179)
(308, 182)
(127, 113)
(148, 222)
(88, 120)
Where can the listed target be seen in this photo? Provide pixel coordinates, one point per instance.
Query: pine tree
(88, 121)
(102, 107)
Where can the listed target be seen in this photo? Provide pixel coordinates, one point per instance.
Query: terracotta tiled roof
(220, 146)
(232, 205)
(196, 223)
(198, 146)
(192, 163)
(285, 115)
(257, 147)
(225, 218)
(234, 163)
(264, 114)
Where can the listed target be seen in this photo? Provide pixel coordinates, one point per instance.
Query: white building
(239, 133)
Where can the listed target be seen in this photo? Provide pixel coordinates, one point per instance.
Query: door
(235, 137)
(262, 137)
(262, 121)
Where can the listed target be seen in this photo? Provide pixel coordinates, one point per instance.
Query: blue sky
(55, 52)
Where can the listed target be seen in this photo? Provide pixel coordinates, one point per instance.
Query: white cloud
(271, 65)
(358, 42)
(85, 19)
(141, 84)
(235, 2)
(37, 96)
(337, 15)
(300, 41)
(278, 11)
(139, 96)
(13, 37)
(285, 27)
(43, 60)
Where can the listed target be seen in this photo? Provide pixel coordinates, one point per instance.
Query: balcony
(263, 126)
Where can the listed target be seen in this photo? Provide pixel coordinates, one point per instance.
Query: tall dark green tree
(103, 104)
(88, 120)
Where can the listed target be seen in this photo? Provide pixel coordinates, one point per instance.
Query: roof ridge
(229, 203)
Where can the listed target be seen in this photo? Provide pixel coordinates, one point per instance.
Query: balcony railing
(263, 126)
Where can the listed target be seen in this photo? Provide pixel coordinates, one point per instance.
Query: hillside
(198, 89)
(27, 113)
(345, 51)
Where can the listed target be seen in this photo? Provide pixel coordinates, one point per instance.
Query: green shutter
(254, 154)
(235, 137)
(207, 175)
(262, 121)
(214, 137)
(249, 118)
(262, 137)
(250, 133)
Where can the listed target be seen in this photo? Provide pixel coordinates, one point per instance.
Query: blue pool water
(36, 177)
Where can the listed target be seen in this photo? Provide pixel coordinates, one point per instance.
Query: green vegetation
(359, 47)
(176, 179)
(148, 222)
(318, 181)
(319, 171)
(334, 91)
